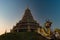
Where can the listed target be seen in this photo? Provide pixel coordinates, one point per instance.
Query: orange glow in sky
(5, 26)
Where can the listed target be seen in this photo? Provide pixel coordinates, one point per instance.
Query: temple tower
(26, 24)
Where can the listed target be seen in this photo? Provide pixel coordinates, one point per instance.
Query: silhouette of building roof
(27, 22)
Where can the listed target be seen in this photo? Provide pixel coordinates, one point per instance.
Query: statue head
(48, 24)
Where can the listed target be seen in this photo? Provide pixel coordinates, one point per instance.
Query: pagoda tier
(27, 23)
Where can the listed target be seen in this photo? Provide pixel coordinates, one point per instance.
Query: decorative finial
(47, 19)
(27, 6)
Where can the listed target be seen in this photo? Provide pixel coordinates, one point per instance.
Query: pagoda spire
(27, 6)
(27, 15)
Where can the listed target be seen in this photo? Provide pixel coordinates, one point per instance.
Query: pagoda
(26, 24)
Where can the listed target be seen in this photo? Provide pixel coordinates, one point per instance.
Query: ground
(22, 36)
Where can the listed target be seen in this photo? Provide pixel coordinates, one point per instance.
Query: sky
(11, 12)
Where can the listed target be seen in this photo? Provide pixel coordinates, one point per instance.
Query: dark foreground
(23, 36)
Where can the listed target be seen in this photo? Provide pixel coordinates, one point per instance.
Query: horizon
(11, 12)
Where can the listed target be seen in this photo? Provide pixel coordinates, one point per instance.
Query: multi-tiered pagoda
(26, 24)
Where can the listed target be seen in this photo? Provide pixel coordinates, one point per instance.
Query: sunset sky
(11, 11)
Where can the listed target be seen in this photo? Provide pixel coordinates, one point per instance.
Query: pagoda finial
(27, 7)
